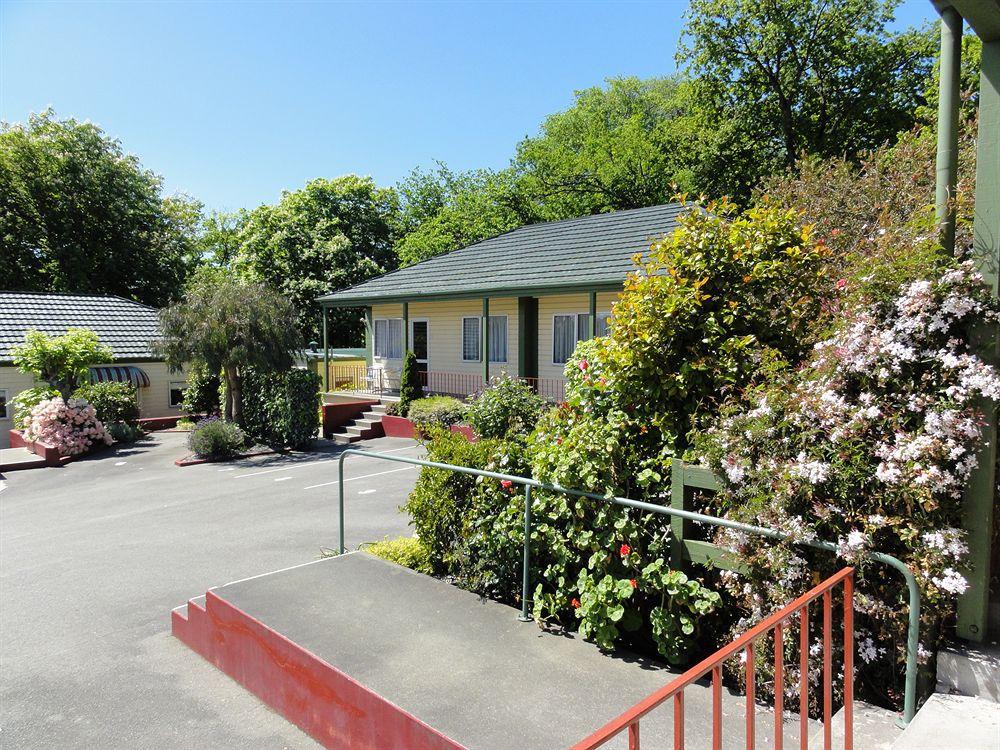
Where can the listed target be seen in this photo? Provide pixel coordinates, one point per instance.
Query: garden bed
(194, 460)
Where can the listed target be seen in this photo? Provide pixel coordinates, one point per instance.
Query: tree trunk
(236, 391)
(230, 375)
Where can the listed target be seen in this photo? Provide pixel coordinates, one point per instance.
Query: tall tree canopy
(328, 235)
(619, 146)
(827, 78)
(443, 210)
(79, 214)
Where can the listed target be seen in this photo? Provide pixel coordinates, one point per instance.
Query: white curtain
(498, 338)
(389, 338)
(563, 338)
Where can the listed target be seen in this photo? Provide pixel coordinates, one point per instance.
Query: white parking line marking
(120, 463)
(231, 468)
(282, 479)
(367, 492)
(351, 479)
(313, 463)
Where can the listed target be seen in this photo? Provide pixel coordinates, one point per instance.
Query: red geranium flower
(624, 550)
(632, 581)
(583, 364)
(575, 603)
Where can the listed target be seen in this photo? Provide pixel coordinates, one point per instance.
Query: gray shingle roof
(593, 251)
(126, 326)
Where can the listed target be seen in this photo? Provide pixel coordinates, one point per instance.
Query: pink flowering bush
(71, 426)
(868, 444)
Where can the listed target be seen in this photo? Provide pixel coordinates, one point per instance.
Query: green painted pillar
(973, 606)
(486, 340)
(369, 337)
(406, 328)
(593, 315)
(326, 353)
(947, 142)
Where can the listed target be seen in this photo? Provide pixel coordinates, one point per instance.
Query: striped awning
(120, 374)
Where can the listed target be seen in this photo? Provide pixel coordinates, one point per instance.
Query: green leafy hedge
(202, 392)
(410, 386)
(281, 409)
(114, 402)
(27, 400)
(440, 411)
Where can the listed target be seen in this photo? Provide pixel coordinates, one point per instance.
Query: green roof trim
(556, 257)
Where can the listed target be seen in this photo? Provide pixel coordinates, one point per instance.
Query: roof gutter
(496, 291)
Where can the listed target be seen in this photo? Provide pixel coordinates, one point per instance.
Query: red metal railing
(377, 381)
(776, 623)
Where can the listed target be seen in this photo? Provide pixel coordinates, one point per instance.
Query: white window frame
(170, 388)
(388, 355)
(479, 338)
(576, 327)
(5, 412)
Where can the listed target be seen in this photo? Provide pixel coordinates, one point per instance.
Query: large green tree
(625, 145)
(328, 235)
(794, 76)
(229, 324)
(79, 214)
(443, 210)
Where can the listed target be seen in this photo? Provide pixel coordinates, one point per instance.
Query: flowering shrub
(71, 426)
(114, 402)
(27, 400)
(869, 444)
(505, 407)
(213, 438)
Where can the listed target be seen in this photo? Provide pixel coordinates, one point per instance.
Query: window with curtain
(470, 339)
(498, 338)
(564, 337)
(389, 338)
(567, 330)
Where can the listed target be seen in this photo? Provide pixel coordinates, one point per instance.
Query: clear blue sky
(234, 102)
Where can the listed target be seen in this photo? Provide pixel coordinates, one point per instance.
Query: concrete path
(95, 554)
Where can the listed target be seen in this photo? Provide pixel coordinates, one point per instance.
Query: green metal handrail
(913, 629)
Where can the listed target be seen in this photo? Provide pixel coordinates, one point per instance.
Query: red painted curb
(192, 461)
(333, 708)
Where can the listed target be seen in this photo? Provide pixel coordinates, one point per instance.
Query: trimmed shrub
(125, 432)
(438, 504)
(281, 409)
(410, 386)
(436, 411)
(407, 551)
(113, 402)
(392, 409)
(507, 406)
(213, 438)
(27, 400)
(202, 394)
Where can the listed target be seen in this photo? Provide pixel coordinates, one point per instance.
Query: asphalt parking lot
(94, 555)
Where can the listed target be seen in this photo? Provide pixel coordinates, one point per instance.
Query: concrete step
(970, 670)
(15, 459)
(360, 431)
(378, 408)
(368, 422)
(874, 728)
(345, 437)
(952, 722)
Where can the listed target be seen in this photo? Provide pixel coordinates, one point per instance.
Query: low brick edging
(402, 427)
(50, 453)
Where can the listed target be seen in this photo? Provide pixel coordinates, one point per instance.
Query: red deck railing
(777, 623)
(376, 381)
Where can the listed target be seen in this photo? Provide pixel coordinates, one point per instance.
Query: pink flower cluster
(71, 426)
